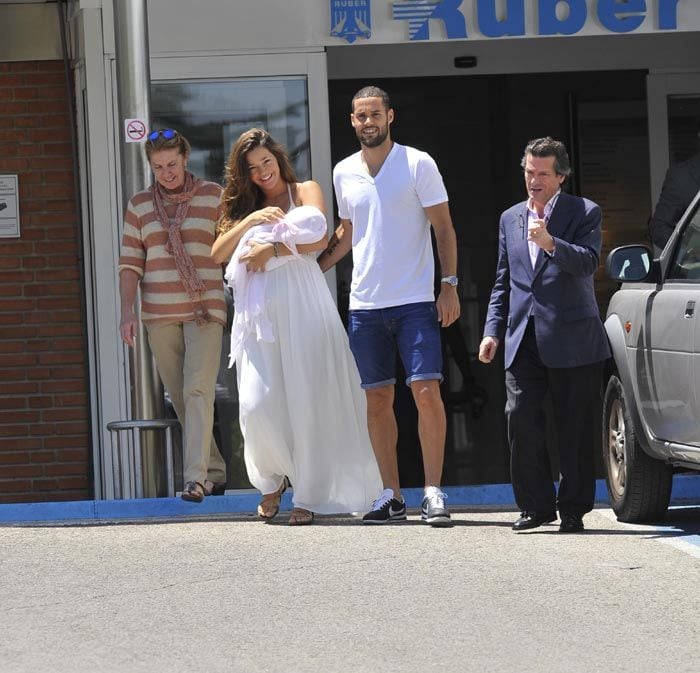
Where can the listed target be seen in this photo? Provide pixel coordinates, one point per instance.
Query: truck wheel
(639, 486)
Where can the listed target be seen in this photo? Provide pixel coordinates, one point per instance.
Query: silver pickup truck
(651, 410)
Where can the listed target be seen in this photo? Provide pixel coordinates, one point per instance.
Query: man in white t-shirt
(388, 197)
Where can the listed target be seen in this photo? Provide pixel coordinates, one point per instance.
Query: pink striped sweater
(164, 299)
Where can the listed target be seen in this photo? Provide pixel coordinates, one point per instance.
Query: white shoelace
(436, 498)
(386, 496)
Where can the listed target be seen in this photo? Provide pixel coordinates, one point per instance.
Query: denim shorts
(413, 329)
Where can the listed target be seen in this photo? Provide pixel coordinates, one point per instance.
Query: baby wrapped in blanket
(303, 224)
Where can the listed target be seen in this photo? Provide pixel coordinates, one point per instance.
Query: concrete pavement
(232, 594)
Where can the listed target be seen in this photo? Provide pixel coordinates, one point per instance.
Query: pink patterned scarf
(183, 262)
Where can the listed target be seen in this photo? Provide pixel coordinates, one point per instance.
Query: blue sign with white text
(351, 19)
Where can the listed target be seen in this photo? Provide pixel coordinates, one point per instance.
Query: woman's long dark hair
(241, 195)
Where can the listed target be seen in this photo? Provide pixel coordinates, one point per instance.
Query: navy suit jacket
(558, 292)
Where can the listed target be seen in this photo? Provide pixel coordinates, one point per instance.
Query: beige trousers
(187, 357)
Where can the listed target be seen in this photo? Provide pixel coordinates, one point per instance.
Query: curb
(686, 490)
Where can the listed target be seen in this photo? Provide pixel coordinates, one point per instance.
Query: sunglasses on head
(168, 134)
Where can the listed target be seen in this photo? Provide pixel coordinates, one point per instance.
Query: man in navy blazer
(544, 307)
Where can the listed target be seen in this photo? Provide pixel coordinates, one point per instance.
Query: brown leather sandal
(301, 517)
(270, 504)
(193, 492)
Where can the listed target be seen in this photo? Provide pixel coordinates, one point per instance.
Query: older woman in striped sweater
(166, 245)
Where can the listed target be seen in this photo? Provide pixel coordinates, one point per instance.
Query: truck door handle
(689, 310)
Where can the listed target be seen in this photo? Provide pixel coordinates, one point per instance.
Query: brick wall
(44, 438)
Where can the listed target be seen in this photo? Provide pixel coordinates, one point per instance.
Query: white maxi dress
(302, 411)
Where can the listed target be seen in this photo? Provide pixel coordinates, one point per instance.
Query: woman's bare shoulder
(309, 193)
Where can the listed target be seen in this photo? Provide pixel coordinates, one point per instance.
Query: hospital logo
(351, 19)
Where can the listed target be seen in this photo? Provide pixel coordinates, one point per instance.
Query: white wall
(235, 26)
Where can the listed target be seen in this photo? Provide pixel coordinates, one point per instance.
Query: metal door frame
(659, 87)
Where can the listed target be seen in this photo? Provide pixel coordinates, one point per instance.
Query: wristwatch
(450, 280)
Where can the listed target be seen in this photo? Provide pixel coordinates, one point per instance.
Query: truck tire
(639, 486)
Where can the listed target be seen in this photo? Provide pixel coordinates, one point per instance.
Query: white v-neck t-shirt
(391, 250)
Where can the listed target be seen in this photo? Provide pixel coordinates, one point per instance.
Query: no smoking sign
(134, 130)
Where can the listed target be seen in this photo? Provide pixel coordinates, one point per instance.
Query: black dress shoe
(571, 523)
(530, 520)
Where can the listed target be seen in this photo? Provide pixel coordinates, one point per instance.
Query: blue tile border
(686, 490)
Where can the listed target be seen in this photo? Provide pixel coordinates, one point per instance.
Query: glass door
(212, 103)
(213, 113)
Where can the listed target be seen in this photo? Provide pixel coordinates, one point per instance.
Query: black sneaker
(434, 511)
(385, 509)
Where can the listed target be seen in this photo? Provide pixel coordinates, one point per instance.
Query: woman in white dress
(302, 411)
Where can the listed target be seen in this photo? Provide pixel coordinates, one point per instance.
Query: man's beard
(374, 141)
